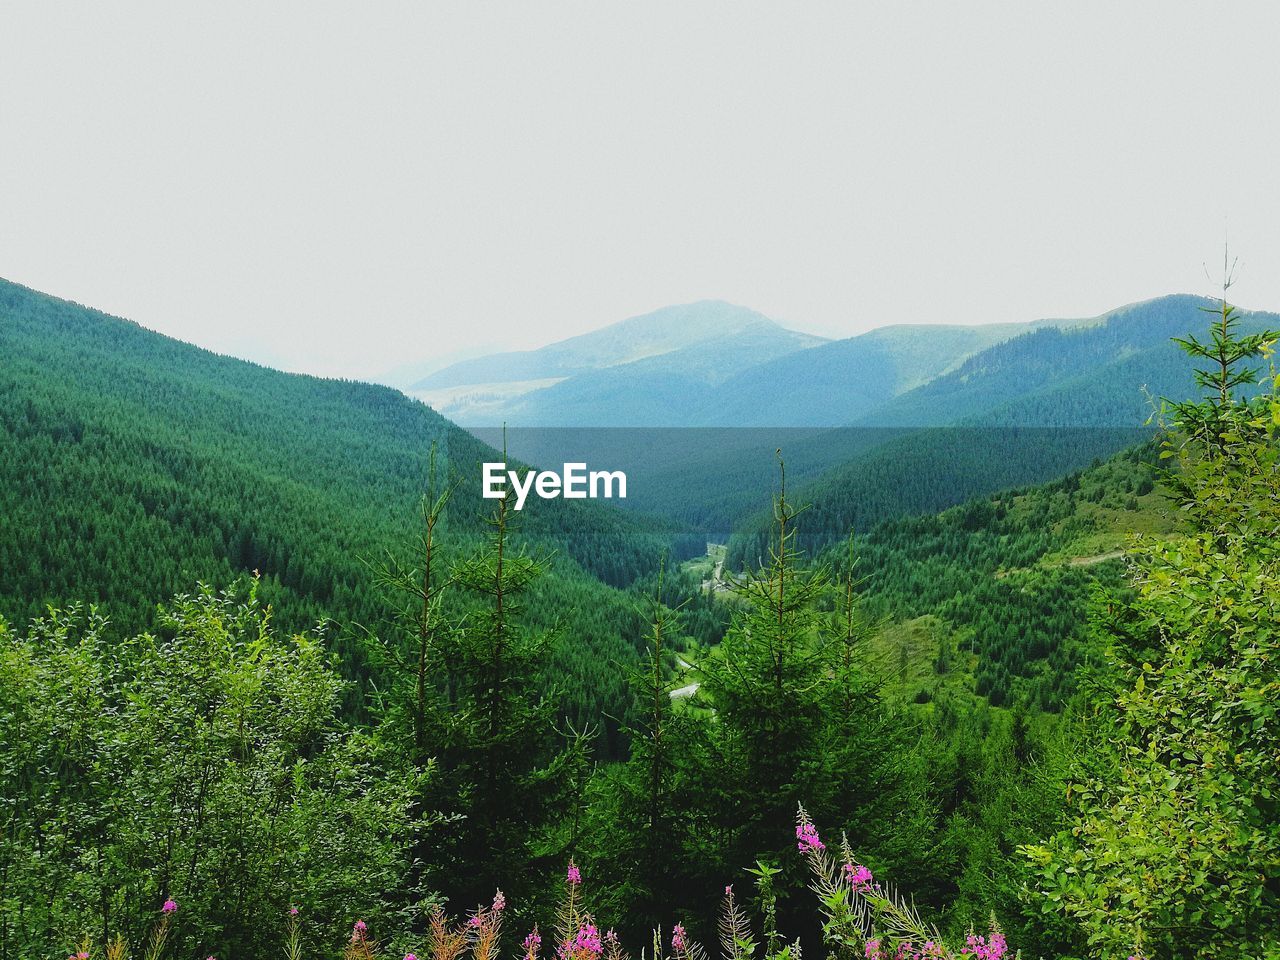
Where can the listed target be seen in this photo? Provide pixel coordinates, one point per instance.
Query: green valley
(263, 629)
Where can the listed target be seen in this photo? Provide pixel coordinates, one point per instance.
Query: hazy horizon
(342, 190)
(443, 360)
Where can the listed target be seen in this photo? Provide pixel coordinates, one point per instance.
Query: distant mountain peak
(639, 337)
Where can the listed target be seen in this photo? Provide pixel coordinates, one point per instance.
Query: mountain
(942, 414)
(403, 376)
(656, 391)
(705, 364)
(1110, 359)
(646, 370)
(842, 381)
(134, 466)
(649, 335)
(1021, 412)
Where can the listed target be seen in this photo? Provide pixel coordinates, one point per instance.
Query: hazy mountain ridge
(653, 334)
(1022, 412)
(1086, 387)
(708, 364)
(654, 390)
(626, 373)
(1104, 371)
(840, 381)
(1028, 408)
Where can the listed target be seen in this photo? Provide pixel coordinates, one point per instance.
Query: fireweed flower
(585, 943)
(293, 911)
(857, 875)
(873, 948)
(807, 839)
(410, 956)
(589, 940)
(475, 921)
(993, 948)
(678, 941)
(532, 943)
(499, 902)
(573, 876)
(169, 907)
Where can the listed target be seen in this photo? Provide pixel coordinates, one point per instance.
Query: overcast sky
(340, 189)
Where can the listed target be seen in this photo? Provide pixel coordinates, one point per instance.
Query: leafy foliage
(439, 743)
(1174, 841)
(207, 764)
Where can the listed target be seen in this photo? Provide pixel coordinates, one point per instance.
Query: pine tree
(769, 683)
(798, 719)
(503, 757)
(410, 658)
(641, 826)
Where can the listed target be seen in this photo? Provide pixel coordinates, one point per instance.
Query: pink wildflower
(532, 943)
(573, 876)
(358, 931)
(499, 902)
(873, 948)
(585, 943)
(678, 942)
(169, 907)
(293, 911)
(410, 956)
(858, 876)
(982, 948)
(807, 839)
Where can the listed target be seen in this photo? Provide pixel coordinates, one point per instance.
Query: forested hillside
(133, 467)
(1010, 576)
(843, 381)
(1025, 411)
(931, 415)
(1101, 373)
(392, 701)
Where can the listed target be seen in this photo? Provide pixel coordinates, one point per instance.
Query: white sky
(340, 189)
